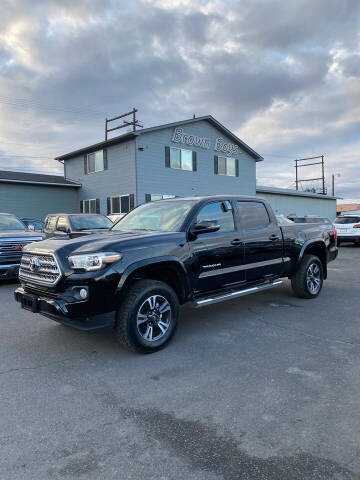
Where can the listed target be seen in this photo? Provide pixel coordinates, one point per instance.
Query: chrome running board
(237, 293)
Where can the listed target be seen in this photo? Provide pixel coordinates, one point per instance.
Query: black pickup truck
(163, 254)
(65, 226)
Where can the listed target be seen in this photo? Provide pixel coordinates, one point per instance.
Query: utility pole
(333, 185)
(126, 123)
(298, 164)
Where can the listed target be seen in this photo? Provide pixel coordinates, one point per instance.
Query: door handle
(236, 241)
(274, 237)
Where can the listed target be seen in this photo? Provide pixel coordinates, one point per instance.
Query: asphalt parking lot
(264, 387)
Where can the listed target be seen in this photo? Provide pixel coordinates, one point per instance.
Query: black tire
(300, 281)
(338, 243)
(129, 333)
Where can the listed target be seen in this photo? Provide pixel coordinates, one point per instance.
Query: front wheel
(308, 280)
(148, 316)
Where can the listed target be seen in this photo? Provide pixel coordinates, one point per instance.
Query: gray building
(33, 195)
(289, 202)
(193, 157)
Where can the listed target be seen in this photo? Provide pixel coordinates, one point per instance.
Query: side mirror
(62, 228)
(205, 226)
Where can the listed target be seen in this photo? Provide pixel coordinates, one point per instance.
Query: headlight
(93, 261)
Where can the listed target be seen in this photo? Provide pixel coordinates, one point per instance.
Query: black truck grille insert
(39, 268)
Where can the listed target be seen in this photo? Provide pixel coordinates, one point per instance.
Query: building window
(119, 204)
(182, 159)
(226, 166)
(95, 162)
(153, 197)
(90, 206)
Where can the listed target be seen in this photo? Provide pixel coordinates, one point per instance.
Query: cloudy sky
(283, 75)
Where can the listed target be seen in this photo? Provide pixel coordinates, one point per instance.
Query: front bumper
(71, 312)
(10, 271)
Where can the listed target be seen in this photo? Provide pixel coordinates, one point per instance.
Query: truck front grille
(11, 249)
(39, 268)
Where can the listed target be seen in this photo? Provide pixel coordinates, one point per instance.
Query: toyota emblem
(34, 264)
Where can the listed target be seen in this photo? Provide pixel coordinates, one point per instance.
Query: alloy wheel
(153, 318)
(313, 278)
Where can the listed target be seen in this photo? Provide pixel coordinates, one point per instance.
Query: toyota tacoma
(198, 250)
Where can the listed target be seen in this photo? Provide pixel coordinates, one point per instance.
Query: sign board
(180, 136)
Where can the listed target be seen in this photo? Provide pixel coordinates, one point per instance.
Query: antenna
(126, 123)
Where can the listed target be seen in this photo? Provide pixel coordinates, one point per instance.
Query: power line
(4, 156)
(23, 102)
(29, 169)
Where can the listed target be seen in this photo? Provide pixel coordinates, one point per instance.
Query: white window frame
(226, 166)
(119, 197)
(88, 162)
(88, 200)
(163, 196)
(182, 150)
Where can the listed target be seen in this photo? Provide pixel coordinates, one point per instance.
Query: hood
(102, 242)
(20, 234)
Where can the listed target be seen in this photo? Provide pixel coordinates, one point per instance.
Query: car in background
(282, 220)
(310, 219)
(14, 235)
(116, 217)
(348, 228)
(33, 224)
(64, 225)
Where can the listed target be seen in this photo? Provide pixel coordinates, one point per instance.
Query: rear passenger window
(220, 211)
(253, 215)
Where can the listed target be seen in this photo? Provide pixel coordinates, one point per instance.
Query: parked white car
(348, 228)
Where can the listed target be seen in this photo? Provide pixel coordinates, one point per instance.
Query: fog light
(83, 293)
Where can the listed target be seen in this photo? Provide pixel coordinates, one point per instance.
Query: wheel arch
(166, 269)
(317, 248)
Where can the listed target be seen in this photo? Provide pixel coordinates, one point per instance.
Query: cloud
(284, 76)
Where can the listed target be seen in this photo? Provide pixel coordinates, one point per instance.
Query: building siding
(155, 178)
(288, 204)
(37, 201)
(118, 179)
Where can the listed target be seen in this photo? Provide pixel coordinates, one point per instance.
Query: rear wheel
(308, 280)
(148, 316)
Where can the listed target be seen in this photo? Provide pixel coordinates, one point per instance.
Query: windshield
(167, 216)
(8, 222)
(90, 222)
(347, 220)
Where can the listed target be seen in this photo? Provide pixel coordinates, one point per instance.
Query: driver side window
(221, 212)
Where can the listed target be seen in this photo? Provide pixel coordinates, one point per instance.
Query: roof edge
(34, 182)
(295, 193)
(130, 135)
